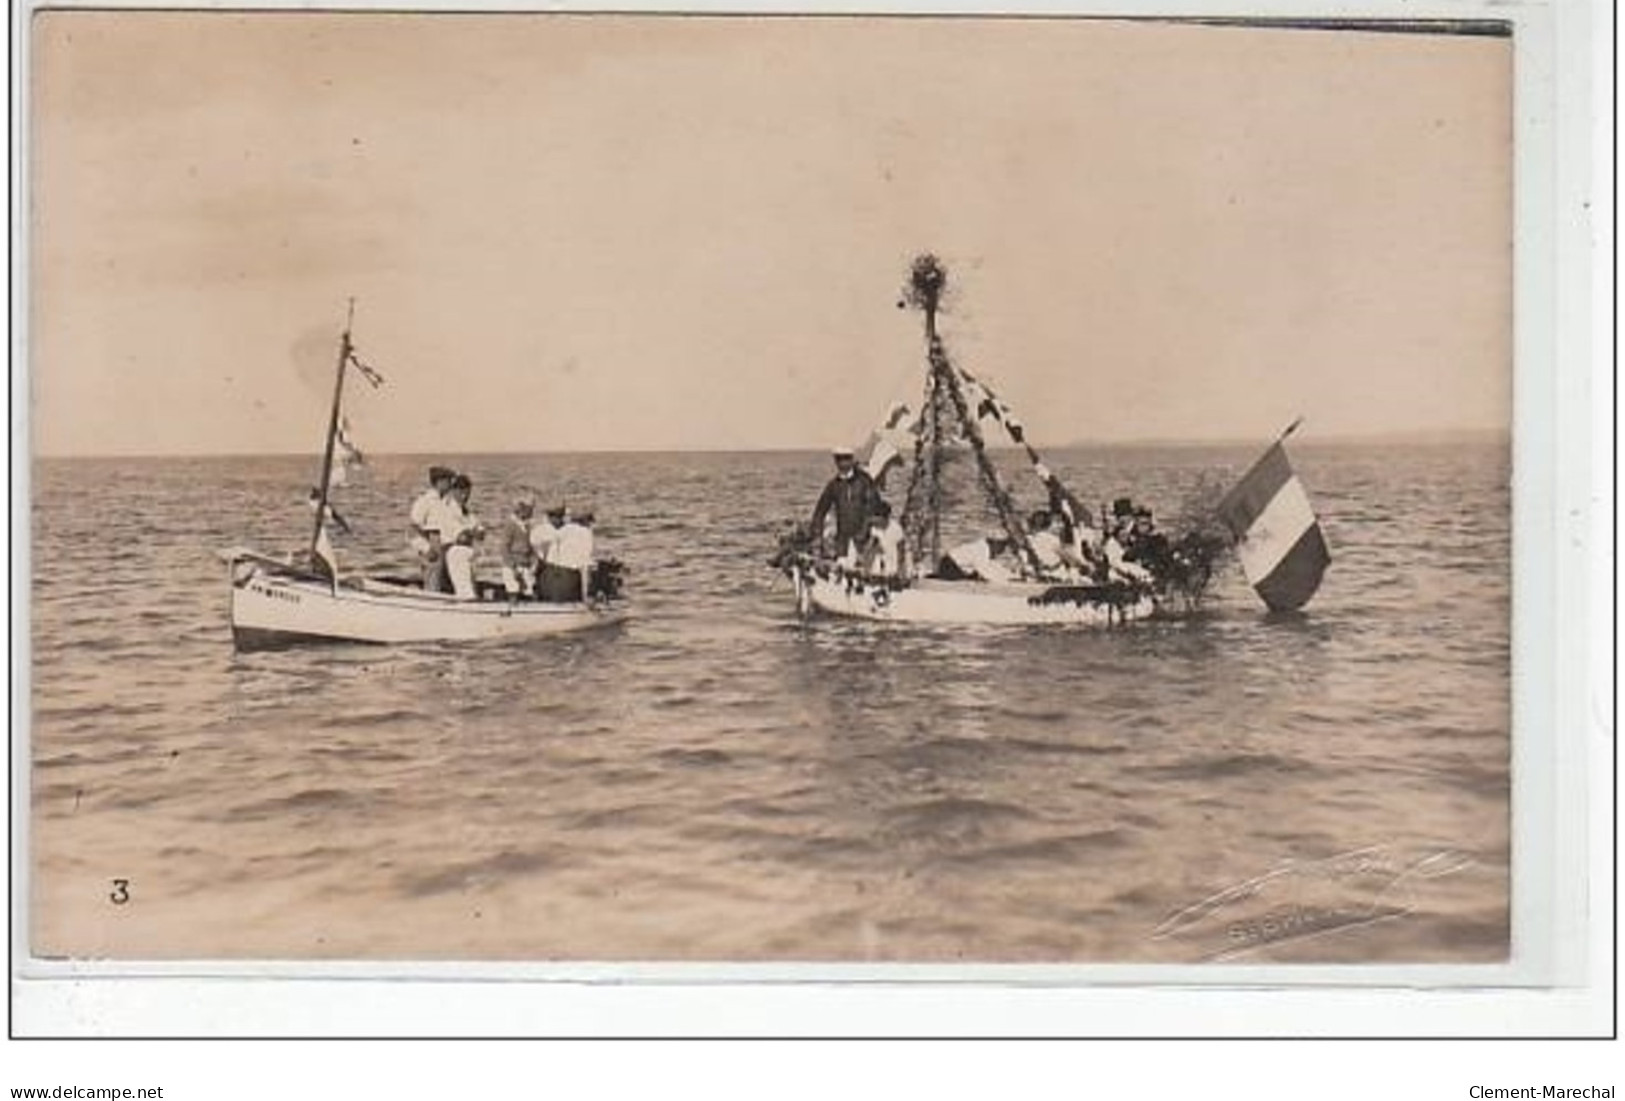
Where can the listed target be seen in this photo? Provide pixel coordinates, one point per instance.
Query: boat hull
(962, 602)
(270, 611)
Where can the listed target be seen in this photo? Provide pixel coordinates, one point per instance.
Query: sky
(675, 232)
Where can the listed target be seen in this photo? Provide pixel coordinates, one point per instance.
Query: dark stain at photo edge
(1479, 28)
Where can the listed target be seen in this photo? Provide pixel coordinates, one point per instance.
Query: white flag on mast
(324, 551)
(322, 547)
(884, 448)
(347, 456)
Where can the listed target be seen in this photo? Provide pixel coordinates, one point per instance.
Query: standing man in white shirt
(423, 527)
(459, 529)
(545, 532)
(563, 576)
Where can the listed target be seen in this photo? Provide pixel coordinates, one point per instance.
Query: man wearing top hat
(853, 497)
(1145, 544)
(1114, 546)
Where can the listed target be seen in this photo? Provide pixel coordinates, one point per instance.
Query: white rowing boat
(274, 606)
(276, 602)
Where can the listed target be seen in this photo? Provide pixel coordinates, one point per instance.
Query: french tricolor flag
(1277, 535)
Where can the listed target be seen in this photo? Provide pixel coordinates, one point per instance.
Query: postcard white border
(1563, 863)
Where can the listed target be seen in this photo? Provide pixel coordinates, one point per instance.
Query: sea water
(717, 780)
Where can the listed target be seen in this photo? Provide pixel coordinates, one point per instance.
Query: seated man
(976, 560)
(1119, 566)
(518, 556)
(563, 577)
(1084, 542)
(883, 553)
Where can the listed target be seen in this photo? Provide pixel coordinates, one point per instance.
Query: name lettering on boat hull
(275, 593)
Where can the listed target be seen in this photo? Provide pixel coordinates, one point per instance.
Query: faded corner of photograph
(527, 487)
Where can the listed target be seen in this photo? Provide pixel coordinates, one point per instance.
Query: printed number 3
(121, 892)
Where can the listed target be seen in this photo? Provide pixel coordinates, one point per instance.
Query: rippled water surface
(715, 780)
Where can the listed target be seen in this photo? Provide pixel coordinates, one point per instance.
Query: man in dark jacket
(853, 496)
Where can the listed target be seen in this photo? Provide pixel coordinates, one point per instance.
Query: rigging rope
(917, 503)
(1061, 496)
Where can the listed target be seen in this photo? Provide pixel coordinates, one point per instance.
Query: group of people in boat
(542, 558)
(1069, 547)
(1066, 545)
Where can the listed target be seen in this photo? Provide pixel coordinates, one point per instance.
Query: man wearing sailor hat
(852, 495)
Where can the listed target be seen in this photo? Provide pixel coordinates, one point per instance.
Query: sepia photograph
(657, 488)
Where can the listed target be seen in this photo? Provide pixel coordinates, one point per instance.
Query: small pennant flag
(884, 448)
(346, 441)
(367, 372)
(986, 404)
(352, 453)
(1061, 499)
(1277, 535)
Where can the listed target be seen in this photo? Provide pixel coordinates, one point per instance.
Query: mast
(922, 511)
(931, 291)
(345, 349)
(926, 281)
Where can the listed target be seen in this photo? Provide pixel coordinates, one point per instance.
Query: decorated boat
(1095, 584)
(280, 601)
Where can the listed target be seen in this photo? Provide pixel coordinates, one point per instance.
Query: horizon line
(1420, 436)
